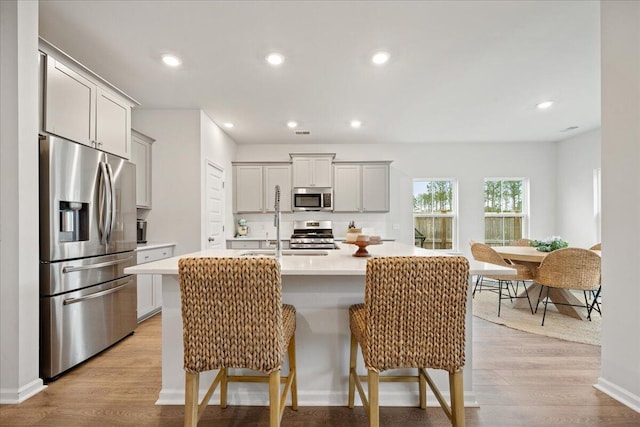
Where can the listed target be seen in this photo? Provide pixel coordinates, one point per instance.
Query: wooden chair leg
(457, 399)
(192, 383)
(293, 371)
(352, 370)
(374, 404)
(422, 384)
(274, 399)
(223, 388)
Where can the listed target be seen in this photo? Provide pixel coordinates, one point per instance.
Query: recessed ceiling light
(171, 60)
(544, 105)
(292, 124)
(356, 124)
(380, 58)
(275, 58)
(228, 125)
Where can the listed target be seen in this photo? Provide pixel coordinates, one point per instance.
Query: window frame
(597, 202)
(524, 214)
(454, 214)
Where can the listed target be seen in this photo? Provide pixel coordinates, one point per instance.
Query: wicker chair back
(232, 314)
(415, 310)
(570, 268)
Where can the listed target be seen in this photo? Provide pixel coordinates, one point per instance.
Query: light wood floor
(520, 379)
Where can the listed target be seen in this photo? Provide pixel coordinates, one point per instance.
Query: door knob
(211, 239)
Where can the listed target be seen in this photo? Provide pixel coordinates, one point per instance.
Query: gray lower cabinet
(150, 285)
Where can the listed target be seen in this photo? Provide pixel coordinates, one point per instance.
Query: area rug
(556, 325)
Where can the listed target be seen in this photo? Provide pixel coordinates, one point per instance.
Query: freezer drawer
(77, 325)
(66, 276)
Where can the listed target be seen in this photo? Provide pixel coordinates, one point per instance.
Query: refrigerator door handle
(113, 207)
(104, 206)
(102, 189)
(95, 295)
(69, 269)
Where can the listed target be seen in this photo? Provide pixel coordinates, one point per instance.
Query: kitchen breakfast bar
(321, 285)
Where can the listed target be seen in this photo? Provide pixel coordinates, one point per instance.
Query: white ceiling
(459, 70)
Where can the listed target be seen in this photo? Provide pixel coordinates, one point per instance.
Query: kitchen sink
(285, 252)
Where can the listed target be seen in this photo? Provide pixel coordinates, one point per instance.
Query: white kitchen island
(321, 288)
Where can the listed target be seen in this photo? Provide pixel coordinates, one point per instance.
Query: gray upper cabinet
(277, 174)
(254, 186)
(70, 103)
(375, 187)
(248, 188)
(361, 187)
(82, 107)
(141, 156)
(347, 192)
(113, 124)
(312, 170)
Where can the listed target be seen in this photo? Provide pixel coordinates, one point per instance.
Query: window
(434, 213)
(505, 210)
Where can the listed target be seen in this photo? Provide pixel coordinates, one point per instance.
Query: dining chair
(418, 237)
(413, 316)
(571, 269)
(233, 317)
(596, 294)
(486, 253)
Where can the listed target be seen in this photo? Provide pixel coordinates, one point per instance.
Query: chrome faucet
(276, 222)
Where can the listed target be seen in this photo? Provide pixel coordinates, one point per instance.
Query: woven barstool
(486, 253)
(413, 317)
(233, 317)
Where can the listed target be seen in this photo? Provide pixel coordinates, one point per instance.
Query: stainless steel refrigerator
(87, 239)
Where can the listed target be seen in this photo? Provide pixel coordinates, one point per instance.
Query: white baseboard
(12, 396)
(618, 393)
(250, 398)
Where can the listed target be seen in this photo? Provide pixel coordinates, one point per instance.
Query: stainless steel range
(312, 235)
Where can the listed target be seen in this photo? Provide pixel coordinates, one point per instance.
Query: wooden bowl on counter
(362, 247)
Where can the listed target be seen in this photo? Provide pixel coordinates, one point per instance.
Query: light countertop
(339, 262)
(153, 245)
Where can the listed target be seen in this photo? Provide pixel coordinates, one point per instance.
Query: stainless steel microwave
(312, 199)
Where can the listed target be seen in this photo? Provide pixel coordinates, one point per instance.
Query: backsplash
(261, 225)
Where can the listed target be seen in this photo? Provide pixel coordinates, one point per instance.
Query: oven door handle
(69, 269)
(95, 295)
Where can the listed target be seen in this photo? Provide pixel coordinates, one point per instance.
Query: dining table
(532, 258)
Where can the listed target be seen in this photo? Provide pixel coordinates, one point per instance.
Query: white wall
(578, 157)
(176, 195)
(185, 139)
(19, 260)
(220, 149)
(620, 363)
(469, 163)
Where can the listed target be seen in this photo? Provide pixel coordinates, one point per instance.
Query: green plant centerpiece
(549, 244)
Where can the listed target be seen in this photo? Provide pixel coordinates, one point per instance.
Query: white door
(214, 229)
